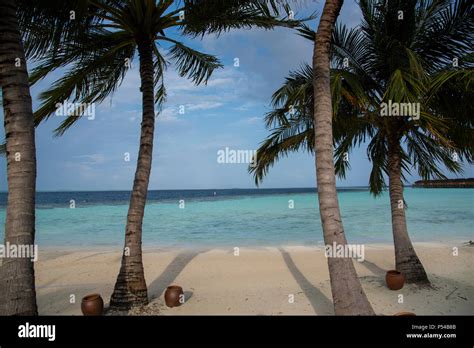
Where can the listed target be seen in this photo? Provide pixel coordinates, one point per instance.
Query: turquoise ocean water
(245, 217)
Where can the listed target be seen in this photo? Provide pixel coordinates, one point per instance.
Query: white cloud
(203, 106)
(172, 113)
(95, 158)
(168, 115)
(246, 106)
(248, 121)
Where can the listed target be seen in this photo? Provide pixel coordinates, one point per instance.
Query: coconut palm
(389, 59)
(347, 293)
(17, 293)
(98, 62)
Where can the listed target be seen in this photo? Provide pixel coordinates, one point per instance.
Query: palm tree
(17, 295)
(347, 293)
(98, 67)
(18, 42)
(389, 60)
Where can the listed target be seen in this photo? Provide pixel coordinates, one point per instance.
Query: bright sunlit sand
(263, 281)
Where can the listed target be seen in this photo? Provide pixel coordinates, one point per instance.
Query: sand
(260, 281)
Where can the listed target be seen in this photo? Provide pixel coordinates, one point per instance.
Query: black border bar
(262, 330)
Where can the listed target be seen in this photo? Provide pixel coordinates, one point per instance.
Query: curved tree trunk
(347, 293)
(406, 259)
(17, 278)
(130, 289)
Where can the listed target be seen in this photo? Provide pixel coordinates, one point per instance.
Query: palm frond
(305, 31)
(47, 25)
(404, 87)
(159, 66)
(89, 46)
(216, 16)
(92, 78)
(427, 156)
(377, 153)
(283, 140)
(192, 64)
(444, 32)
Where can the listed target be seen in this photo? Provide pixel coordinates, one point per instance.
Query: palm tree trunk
(347, 293)
(406, 259)
(17, 277)
(130, 289)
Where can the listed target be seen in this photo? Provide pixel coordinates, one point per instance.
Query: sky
(227, 112)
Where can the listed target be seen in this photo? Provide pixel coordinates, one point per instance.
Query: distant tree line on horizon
(447, 183)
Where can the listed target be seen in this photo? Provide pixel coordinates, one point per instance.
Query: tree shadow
(170, 273)
(188, 295)
(320, 303)
(58, 301)
(373, 268)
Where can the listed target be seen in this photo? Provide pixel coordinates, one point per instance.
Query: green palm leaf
(385, 60)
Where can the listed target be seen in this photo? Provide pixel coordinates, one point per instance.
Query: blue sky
(228, 112)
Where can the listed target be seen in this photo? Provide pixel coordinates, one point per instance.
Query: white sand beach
(260, 281)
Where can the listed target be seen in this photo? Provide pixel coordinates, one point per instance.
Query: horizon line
(200, 189)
